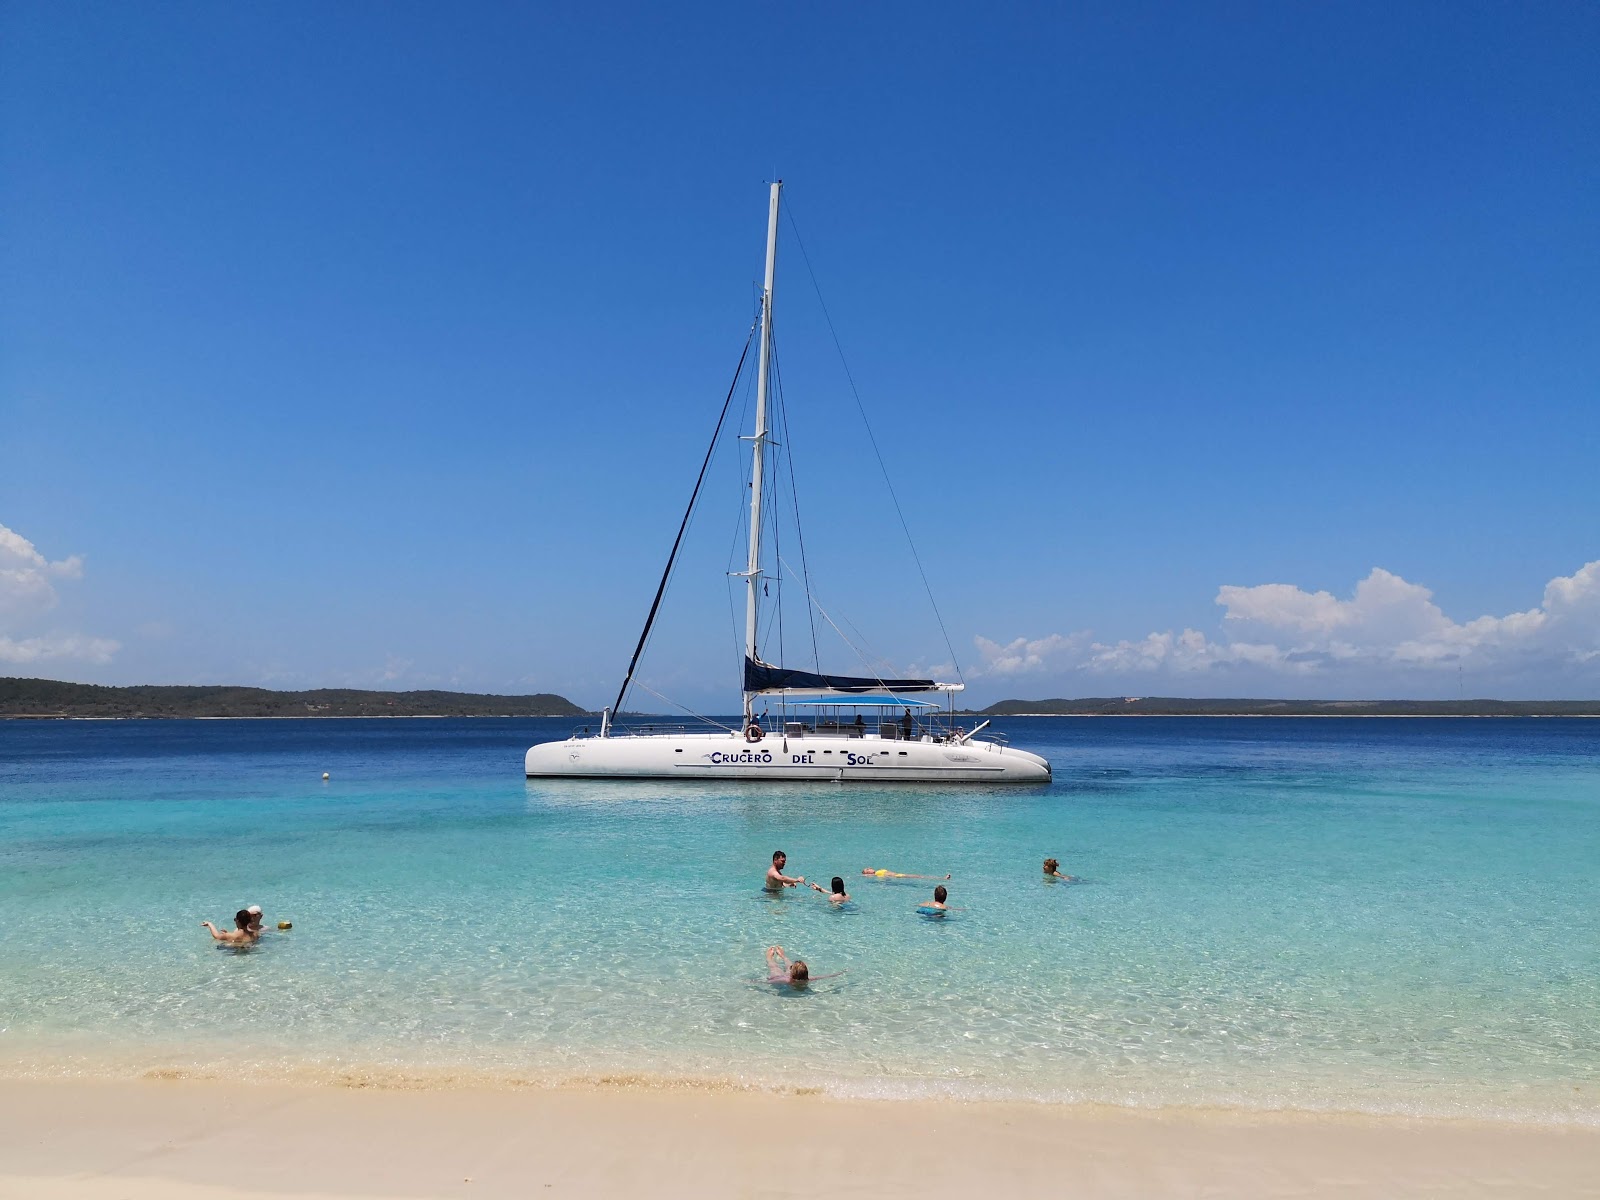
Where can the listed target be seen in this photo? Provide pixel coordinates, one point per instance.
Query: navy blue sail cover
(764, 677)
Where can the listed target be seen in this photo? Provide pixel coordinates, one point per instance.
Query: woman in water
(1052, 870)
(243, 935)
(838, 895)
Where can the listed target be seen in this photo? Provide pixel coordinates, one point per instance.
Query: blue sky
(1213, 350)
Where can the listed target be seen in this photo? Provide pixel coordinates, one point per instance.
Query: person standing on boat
(776, 879)
(905, 724)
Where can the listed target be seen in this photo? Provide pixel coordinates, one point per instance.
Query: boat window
(902, 754)
(679, 750)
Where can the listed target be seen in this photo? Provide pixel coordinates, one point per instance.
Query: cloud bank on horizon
(1389, 636)
(1389, 632)
(27, 596)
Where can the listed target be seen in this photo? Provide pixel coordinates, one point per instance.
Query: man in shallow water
(776, 879)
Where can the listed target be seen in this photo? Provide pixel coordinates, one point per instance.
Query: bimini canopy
(764, 677)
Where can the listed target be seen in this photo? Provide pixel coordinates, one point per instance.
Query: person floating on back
(937, 908)
(776, 879)
(1052, 870)
(838, 895)
(780, 970)
(882, 873)
(243, 935)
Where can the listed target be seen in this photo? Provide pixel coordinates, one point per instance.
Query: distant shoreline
(298, 717)
(1304, 716)
(1090, 716)
(1183, 706)
(49, 699)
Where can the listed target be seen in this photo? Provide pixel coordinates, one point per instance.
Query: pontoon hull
(868, 759)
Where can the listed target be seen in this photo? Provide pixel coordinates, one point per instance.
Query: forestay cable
(687, 513)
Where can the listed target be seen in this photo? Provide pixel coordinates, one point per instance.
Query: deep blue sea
(1388, 916)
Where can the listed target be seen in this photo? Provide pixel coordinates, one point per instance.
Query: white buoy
(324, 774)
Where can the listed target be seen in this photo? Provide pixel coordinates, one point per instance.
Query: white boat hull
(777, 757)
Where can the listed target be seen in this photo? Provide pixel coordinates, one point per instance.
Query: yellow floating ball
(285, 924)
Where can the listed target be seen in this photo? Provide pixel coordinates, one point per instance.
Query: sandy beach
(186, 1139)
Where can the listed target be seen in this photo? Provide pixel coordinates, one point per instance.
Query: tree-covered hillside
(48, 698)
(1169, 706)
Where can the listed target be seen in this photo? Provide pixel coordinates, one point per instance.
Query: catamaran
(811, 725)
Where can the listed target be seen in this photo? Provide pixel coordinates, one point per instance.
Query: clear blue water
(1393, 916)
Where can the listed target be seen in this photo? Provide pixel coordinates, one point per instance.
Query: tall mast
(753, 570)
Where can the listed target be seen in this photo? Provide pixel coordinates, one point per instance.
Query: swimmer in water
(255, 919)
(940, 895)
(838, 895)
(236, 937)
(883, 874)
(780, 970)
(1052, 870)
(776, 879)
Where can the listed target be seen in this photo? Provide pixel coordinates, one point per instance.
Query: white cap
(254, 910)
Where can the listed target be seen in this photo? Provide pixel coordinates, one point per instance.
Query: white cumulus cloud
(1387, 629)
(27, 595)
(27, 578)
(1023, 657)
(57, 646)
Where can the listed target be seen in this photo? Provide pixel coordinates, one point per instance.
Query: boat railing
(665, 729)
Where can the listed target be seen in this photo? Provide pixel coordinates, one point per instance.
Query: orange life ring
(753, 733)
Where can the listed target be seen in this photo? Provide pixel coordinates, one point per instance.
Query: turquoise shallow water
(1392, 916)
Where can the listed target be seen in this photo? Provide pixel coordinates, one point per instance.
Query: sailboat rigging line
(715, 724)
(799, 531)
(873, 439)
(666, 575)
(866, 662)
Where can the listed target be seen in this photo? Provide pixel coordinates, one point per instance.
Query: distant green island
(43, 698)
(1169, 706)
